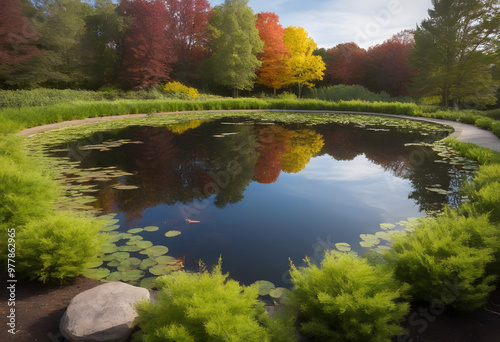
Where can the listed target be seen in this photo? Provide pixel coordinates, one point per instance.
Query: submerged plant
(346, 299)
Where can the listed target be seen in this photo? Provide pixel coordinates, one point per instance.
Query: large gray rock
(104, 313)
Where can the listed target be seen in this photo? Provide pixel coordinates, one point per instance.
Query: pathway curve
(463, 132)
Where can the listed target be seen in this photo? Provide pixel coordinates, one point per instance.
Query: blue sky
(331, 22)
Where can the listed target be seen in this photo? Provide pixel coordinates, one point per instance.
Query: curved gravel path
(463, 132)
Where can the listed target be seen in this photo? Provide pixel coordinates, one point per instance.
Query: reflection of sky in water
(329, 201)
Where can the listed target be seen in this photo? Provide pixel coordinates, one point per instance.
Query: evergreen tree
(235, 45)
(453, 51)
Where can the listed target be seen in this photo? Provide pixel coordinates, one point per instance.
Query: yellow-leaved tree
(303, 67)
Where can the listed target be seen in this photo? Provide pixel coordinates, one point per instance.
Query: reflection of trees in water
(181, 168)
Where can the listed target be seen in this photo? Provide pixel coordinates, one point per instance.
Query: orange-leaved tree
(273, 70)
(303, 67)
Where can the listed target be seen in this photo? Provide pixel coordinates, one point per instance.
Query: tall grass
(354, 92)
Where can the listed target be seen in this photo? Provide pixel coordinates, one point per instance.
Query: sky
(331, 22)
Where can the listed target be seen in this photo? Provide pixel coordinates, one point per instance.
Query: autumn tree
(191, 37)
(304, 145)
(235, 45)
(273, 70)
(148, 53)
(303, 67)
(454, 51)
(386, 67)
(343, 64)
(17, 42)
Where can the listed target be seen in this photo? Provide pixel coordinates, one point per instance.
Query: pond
(256, 190)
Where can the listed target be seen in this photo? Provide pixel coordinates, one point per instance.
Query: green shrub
(482, 155)
(347, 300)
(447, 254)
(352, 92)
(484, 193)
(287, 96)
(57, 247)
(203, 307)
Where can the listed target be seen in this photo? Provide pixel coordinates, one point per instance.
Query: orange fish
(192, 221)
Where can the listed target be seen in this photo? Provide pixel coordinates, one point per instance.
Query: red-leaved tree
(344, 64)
(17, 38)
(148, 49)
(191, 37)
(273, 70)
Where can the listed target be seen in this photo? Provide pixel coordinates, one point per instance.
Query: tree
(454, 50)
(303, 66)
(148, 50)
(190, 33)
(235, 45)
(343, 64)
(17, 41)
(386, 67)
(273, 71)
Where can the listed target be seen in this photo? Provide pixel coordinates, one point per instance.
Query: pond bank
(463, 132)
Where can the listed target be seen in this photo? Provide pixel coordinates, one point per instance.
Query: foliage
(57, 247)
(354, 92)
(179, 88)
(453, 51)
(16, 42)
(236, 44)
(273, 70)
(304, 145)
(303, 67)
(445, 260)
(343, 64)
(147, 52)
(203, 307)
(482, 155)
(346, 299)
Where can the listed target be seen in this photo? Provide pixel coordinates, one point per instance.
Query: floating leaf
(147, 263)
(124, 187)
(155, 251)
(172, 233)
(109, 248)
(384, 236)
(135, 230)
(132, 275)
(134, 239)
(96, 273)
(114, 263)
(114, 276)
(125, 236)
(151, 228)
(165, 259)
(264, 287)
(127, 248)
(162, 269)
(94, 263)
(110, 228)
(369, 240)
(143, 244)
(119, 256)
(343, 247)
(277, 292)
(148, 283)
(387, 226)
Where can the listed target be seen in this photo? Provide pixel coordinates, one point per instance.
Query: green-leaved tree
(235, 45)
(454, 51)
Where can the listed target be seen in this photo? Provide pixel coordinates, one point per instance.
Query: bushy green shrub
(447, 254)
(287, 96)
(57, 247)
(346, 299)
(203, 307)
(480, 154)
(484, 193)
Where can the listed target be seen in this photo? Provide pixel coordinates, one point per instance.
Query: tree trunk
(235, 93)
(300, 89)
(455, 103)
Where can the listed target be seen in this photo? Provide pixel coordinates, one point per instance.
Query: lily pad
(384, 236)
(114, 276)
(162, 269)
(369, 240)
(343, 247)
(151, 228)
(265, 287)
(147, 263)
(148, 283)
(124, 187)
(387, 226)
(172, 233)
(110, 228)
(120, 256)
(165, 259)
(109, 248)
(277, 292)
(113, 263)
(134, 239)
(143, 244)
(135, 230)
(94, 263)
(127, 248)
(132, 275)
(96, 273)
(155, 251)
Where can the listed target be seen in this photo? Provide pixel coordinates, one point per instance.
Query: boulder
(104, 313)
